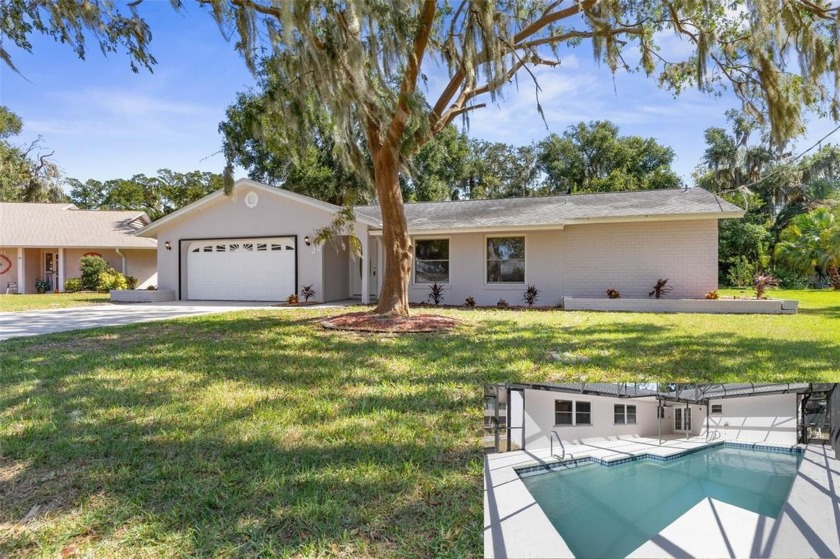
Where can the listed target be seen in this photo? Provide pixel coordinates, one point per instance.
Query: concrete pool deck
(808, 526)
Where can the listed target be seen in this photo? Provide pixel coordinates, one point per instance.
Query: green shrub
(132, 282)
(111, 279)
(741, 273)
(73, 285)
(790, 280)
(92, 267)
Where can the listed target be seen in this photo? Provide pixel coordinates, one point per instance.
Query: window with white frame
(505, 259)
(563, 414)
(583, 413)
(431, 261)
(717, 408)
(569, 412)
(618, 414)
(624, 414)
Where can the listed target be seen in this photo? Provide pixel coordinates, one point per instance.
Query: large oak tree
(364, 60)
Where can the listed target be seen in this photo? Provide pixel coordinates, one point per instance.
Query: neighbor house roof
(557, 211)
(65, 226)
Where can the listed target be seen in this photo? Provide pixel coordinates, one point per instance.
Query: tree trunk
(396, 244)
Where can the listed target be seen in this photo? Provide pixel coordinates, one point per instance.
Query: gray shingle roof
(697, 393)
(550, 211)
(731, 390)
(65, 226)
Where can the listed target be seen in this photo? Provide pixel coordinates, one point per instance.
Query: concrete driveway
(33, 323)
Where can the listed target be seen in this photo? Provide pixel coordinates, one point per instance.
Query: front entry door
(682, 419)
(51, 269)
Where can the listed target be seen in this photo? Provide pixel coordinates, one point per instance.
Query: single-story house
(47, 241)
(257, 244)
(531, 415)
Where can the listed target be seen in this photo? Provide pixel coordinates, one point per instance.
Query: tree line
(792, 223)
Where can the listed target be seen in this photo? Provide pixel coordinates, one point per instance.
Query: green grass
(257, 433)
(14, 302)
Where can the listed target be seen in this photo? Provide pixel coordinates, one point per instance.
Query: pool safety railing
(712, 436)
(554, 435)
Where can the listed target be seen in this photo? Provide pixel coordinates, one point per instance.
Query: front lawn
(258, 433)
(46, 301)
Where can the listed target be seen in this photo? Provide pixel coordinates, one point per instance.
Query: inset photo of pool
(661, 470)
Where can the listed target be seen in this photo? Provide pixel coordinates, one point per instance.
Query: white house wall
(770, 418)
(586, 260)
(539, 418)
(229, 217)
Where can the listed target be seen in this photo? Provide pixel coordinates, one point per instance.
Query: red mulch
(367, 322)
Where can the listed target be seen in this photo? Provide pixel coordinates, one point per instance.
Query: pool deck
(808, 526)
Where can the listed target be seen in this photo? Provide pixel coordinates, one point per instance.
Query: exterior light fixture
(306, 241)
(168, 245)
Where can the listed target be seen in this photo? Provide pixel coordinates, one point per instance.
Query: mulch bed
(367, 322)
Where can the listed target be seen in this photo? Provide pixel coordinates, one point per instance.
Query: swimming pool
(610, 511)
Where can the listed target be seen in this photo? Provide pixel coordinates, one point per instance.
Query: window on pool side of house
(505, 260)
(717, 408)
(624, 414)
(431, 261)
(568, 412)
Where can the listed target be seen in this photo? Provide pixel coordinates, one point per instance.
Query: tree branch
(546, 19)
(409, 81)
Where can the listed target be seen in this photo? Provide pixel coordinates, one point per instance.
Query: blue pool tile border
(561, 465)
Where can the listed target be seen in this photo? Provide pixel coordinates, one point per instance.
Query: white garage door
(241, 269)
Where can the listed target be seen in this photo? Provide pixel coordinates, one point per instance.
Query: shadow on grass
(261, 433)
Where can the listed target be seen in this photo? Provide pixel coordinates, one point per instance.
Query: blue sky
(104, 121)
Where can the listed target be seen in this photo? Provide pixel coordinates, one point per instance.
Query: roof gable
(150, 230)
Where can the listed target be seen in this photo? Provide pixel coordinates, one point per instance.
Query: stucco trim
(562, 225)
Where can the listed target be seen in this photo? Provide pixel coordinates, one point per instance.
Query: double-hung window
(505, 260)
(563, 414)
(431, 261)
(568, 412)
(624, 414)
(717, 408)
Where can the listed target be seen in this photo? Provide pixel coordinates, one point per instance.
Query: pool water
(610, 511)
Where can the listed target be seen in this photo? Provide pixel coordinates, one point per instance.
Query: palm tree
(811, 242)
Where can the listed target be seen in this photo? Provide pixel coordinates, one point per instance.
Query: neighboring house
(583, 413)
(256, 244)
(47, 241)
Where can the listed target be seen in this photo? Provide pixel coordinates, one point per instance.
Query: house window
(583, 413)
(660, 413)
(567, 412)
(431, 261)
(624, 414)
(506, 260)
(618, 411)
(717, 408)
(563, 412)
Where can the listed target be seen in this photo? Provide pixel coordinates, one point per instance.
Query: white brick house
(256, 244)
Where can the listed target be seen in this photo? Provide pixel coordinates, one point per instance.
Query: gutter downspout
(123, 260)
